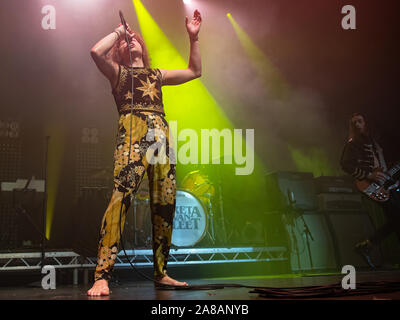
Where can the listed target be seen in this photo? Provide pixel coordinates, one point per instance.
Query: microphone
(121, 15)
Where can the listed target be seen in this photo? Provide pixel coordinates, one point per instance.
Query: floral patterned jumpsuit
(149, 150)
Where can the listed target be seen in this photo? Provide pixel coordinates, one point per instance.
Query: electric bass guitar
(380, 191)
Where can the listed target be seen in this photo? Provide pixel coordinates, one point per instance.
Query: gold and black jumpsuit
(151, 151)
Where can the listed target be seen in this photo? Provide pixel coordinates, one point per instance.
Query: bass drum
(190, 222)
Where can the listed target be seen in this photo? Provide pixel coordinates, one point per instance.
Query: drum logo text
(187, 217)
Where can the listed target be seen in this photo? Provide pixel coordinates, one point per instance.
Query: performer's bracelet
(118, 34)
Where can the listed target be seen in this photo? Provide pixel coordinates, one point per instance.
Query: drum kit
(194, 221)
(198, 220)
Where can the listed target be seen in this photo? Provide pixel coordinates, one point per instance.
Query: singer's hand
(193, 26)
(121, 30)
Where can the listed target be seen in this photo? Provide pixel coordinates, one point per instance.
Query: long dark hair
(354, 133)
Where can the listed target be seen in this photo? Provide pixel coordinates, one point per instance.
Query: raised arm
(193, 71)
(103, 61)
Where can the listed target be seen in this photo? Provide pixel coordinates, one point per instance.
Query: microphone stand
(308, 234)
(292, 222)
(21, 210)
(306, 231)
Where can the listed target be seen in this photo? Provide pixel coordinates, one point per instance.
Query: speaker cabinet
(306, 253)
(349, 228)
(334, 184)
(299, 184)
(339, 202)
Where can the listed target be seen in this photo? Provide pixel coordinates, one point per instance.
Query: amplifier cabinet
(348, 228)
(339, 201)
(299, 184)
(315, 254)
(329, 184)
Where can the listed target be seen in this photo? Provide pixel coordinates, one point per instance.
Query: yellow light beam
(273, 79)
(55, 156)
(190, 104)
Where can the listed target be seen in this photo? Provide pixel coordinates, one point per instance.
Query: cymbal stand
(222, 216)
(211, 215)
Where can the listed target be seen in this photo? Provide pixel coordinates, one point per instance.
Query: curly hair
(115, 52)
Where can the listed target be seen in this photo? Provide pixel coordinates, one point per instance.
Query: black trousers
(391, 209)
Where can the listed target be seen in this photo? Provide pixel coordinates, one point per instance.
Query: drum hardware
(194, 214)
(138, 224)
(198, 183)
(224, 240)
(219, 224)
(141, 208)
(211, 233)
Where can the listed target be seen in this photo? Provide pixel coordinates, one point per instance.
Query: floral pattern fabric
(149, 150)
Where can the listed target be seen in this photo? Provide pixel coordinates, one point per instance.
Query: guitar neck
(394, 170)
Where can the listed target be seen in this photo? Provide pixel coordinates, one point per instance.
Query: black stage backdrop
(50, 85)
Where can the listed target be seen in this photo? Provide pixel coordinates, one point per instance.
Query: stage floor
(141, 290)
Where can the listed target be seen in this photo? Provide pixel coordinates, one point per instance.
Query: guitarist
(361, 156)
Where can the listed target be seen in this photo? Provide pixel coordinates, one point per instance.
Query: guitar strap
(381, 159)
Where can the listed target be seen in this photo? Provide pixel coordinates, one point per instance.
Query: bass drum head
(190, 220)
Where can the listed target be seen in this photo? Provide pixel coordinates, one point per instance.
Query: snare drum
(190, 222)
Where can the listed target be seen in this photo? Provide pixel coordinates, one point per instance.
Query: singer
(122, 62)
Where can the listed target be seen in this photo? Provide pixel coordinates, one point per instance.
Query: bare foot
(100, 288)
(169, 281)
